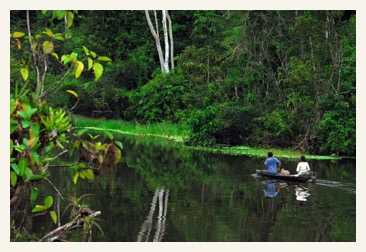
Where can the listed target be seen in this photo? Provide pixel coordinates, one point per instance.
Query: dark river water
(164, 192)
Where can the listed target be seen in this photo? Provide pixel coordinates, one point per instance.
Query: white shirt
(302, 167)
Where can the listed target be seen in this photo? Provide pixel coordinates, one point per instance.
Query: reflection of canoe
(283, 177)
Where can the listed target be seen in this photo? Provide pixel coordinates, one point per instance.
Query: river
(163, 192)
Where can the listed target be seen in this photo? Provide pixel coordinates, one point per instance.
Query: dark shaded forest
(284, 79)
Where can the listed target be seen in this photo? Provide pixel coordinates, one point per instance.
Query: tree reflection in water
(147, 226)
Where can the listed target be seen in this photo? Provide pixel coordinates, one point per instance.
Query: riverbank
(179, 133)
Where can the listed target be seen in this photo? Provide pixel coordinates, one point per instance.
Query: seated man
(273, 164)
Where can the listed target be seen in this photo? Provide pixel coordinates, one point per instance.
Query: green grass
(172, 131)
(288, 154)
(179, 133)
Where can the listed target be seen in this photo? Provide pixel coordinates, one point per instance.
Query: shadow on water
(162, 191)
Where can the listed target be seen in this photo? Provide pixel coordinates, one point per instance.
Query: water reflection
(213, 198)
(146, 228)
(301, 193)
(272, 189)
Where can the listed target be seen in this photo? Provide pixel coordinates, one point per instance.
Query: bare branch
(57, 84)
(34, 55)
(53, 159)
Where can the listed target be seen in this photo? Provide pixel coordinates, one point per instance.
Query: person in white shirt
(302, 167)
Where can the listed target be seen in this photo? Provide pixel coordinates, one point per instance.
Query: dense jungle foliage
(284, 79)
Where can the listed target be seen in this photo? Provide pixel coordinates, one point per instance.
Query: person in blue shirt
(273, 164)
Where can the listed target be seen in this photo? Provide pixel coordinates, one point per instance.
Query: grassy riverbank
(165, 130)
(179, 133)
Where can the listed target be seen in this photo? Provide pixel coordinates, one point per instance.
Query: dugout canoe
(295, 178)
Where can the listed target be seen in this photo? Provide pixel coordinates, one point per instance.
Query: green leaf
(23, 164)
(28, 174)
(48, 202)
(73, 93)
(59, 144)
(86, 50)
(47, 46)
(118, 155)
(79, 69)
(18, 34)
(89, 174)
(74, 56)
(58, 36)
(48, 32)
(59, 14)
(34, 195)
(98, 70)
(13, 178)
(11, 150)
(109, 135)
(93, 137)
(39, 208)
(26, 114)
(90, 63)
(25, 73)
(103, 58)
(77, 144)
(85, 145)
(76, 176)
(82, 174)
(54, 55)
(13, 125)
(80, 132)
(20, 148)
(31, 142)
(34, 157)
(13, 105)
(15, 167)
(70, 19)
(53, 216)
(65, 59)
(119, 144)
(93, 54)
(34, 130)
(71, 150)
(26, 123)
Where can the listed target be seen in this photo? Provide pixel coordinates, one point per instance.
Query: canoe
(296, 178)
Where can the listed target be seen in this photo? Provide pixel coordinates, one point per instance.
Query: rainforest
(81, 80)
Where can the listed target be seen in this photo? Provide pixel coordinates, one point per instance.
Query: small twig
(53, 159)
(58, 192)
(57, 84)
(39, 214)
(63, 165)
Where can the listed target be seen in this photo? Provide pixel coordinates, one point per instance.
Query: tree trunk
(157, 39)
(171, 41)
(166, 42)
(168, 35)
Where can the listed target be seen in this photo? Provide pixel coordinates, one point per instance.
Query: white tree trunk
(171, 42)
(168, 40)
(156, 37)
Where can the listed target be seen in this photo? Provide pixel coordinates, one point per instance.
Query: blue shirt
(272, 163)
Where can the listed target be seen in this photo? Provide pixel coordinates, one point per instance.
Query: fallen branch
(77, 221)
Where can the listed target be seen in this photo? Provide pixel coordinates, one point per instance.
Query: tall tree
(168, 36)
